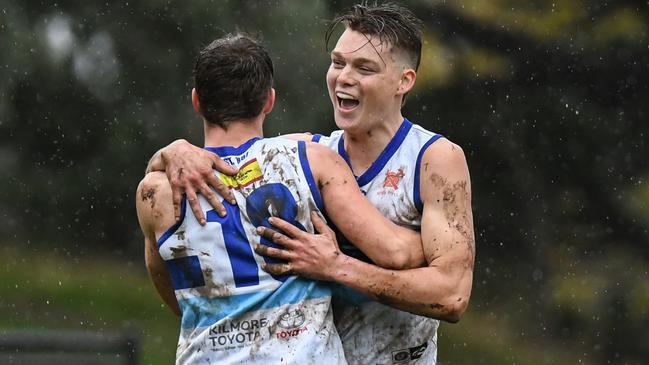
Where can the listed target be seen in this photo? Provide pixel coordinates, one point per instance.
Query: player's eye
(337, 63)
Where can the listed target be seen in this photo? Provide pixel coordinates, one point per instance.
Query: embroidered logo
(392, 179)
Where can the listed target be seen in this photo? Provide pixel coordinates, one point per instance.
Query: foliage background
(546, 98)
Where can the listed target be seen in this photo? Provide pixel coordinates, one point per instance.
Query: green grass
(56, 292)
(49, 291)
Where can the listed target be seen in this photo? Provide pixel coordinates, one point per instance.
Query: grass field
(59, 292)
(56, 291)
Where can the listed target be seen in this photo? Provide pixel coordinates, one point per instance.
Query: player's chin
(346, 119)
(345, 123)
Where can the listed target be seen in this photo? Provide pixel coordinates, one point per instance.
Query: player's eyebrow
(369, 41)
(360, 60)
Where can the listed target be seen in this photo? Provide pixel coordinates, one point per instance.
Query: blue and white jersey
(232, 311)
(371, 332)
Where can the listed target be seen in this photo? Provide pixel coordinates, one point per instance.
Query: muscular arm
(155, 214)
(439, 290)
(386, 243)
(442, 288)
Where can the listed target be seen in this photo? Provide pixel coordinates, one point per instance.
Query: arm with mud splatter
(442, 288)
(155, 214)
(386, 243)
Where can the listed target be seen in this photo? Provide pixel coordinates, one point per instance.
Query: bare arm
(439, 290)
(155, 214)
(190, 170)
(386, 243)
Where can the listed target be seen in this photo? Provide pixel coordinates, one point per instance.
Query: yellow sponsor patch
(248, 174)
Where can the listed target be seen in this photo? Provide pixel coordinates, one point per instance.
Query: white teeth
(344, 96)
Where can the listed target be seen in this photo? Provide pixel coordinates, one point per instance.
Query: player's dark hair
(232, 76)
(390, 22)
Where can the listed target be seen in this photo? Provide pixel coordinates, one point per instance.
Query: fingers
(289, 229)
(277, 269)
(195, 205)
(176, 196)
(213, 199)
(319, 224)
(321, 227)
(272, 252)
(274, 236)
(220, 188)
(221, 166)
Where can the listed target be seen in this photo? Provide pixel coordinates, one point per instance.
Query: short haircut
(390, 22)
(232, 76)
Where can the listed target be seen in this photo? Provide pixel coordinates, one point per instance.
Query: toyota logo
(291, 319)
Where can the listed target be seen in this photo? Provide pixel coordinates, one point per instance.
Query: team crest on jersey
(392, 179)
(248, 174)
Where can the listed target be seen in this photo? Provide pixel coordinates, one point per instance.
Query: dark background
(547, 99)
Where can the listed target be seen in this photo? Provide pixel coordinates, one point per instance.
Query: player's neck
(235, 133)
(364, 146)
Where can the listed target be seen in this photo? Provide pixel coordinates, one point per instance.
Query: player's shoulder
(445, 152)
(152, 191)
(419, 130)
(154, 180)
(323, 159)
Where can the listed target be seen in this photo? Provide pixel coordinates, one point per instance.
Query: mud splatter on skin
(149, 195)
(322, 185)
(453, 196)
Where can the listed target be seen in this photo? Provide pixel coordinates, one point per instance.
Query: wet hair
(389, 22)
(232, 76)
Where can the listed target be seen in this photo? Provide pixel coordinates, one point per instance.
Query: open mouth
(346, 102)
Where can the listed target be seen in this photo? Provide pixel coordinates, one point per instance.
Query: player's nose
(346, 76)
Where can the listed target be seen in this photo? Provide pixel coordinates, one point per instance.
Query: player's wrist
(336, 269)
(173, 149)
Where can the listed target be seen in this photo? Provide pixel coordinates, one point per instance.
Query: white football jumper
(232, 311)
(371, 332)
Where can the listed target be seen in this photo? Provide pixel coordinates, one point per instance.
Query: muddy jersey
(371, 332)
(232, 311)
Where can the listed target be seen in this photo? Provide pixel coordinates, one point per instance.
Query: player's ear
(270, 101)
(195, 103)
(407, 82)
